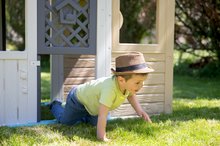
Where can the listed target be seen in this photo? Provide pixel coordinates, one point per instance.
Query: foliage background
(197, 31)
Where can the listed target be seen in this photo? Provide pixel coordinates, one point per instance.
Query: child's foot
(55, 101)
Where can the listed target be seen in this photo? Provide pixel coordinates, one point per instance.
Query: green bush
(45, 63)
(211, 70)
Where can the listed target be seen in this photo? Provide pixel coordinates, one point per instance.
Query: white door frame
(31, 48)
(104, 38)
(18, 76)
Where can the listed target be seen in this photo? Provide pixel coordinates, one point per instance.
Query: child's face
(135, 83)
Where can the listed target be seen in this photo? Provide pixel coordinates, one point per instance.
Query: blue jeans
(74, 112)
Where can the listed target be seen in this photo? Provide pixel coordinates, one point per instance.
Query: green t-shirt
(104, 90)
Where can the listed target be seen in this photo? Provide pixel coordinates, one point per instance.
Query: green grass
(45, 86)
(195, 121)
(192, 88)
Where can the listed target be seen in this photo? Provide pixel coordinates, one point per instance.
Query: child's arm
(137, 107)
(102, 120)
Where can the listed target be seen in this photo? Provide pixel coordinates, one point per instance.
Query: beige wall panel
(77, 80)
(127, 110)
(78, 56)
(154, 57)
(154, 79)
(149, 98)
(78, 69)
(79, 72)
(151, 89)
(74, 82)
(151, 57)
(159, 67)
(70, 63)
(144, 48)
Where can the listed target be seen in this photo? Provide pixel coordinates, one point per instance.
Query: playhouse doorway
(44, 92)
(64, 28)
(45, 78)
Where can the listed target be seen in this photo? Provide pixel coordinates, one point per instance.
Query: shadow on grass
(184, 88)
(133, 125)
(52, 133)
(82, 131)
(186, 114)
(46, 114)
(190, 88)
(202, 92)
(46, 134)
(87, 131)
(59, 132)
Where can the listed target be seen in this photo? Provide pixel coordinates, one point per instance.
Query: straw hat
(131, 63)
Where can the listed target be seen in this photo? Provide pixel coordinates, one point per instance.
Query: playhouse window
(139, 21)
(12, 25)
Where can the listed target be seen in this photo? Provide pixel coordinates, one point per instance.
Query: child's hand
(145, 116)
(105, 139)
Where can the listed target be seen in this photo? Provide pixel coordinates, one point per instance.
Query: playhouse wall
(78, 69)
(156, 95)
(13, 88)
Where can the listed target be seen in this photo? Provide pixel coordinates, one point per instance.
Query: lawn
(195, 121)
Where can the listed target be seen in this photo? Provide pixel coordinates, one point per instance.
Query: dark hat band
(131, 68)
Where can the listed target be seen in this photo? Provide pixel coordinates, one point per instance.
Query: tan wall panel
(155, 79)
(149, 98)
(79, 72)
(159, 67)
(127, 110)
(78, 69)
(154, 57)
(151, 89)
(144, 48)
(148, 57)
(78, 56)
(77, 80)
(70, 63)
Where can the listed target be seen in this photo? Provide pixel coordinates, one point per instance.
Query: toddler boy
(91, 102)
